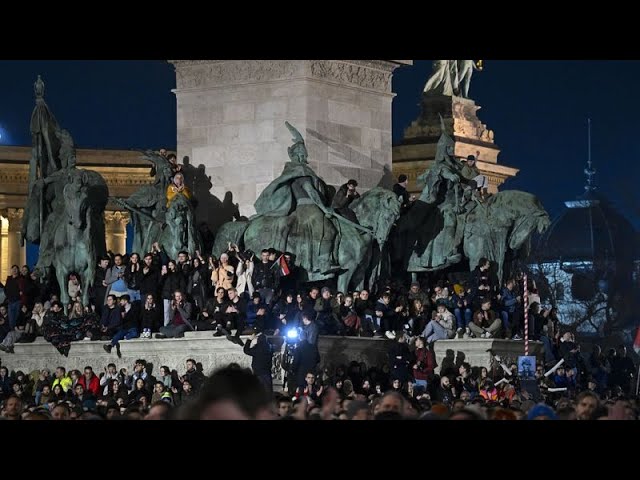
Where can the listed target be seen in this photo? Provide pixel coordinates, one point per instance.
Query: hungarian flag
(636, 342)
(284, 268)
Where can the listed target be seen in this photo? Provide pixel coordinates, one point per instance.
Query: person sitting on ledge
(476, 180)
(180, 315)
(485, 322)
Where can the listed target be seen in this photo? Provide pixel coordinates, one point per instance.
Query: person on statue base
(176, 188)
(173, 281)
(152, 316)
(400, 189)
(111, 319)
(264, 277)
(12, 292)
(486, 323)
(99, 289)
(130, 313)
(213, 313)
(235, 316)
(480, 282)
(114, 278)
(511, 311)
(288, 282)
(181, 317)
(173, 162)
(477, 181)
(149, 277)
(345, 195)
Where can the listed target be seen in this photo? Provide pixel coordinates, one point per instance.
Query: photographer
(181, 313)
(259, 349)
(307, 355)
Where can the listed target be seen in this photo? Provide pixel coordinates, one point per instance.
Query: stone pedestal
(116, 231)
(231, 116)
(417, 150)
(475, 351)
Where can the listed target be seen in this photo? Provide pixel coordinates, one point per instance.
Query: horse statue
(179, 231)
(448, 221)
(358, 253)
(76, 230)
(64, 214)
(504, 226)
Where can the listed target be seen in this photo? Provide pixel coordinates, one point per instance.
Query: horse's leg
(61, 275)
(89, 274)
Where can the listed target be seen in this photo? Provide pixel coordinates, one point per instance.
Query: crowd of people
(241, 293)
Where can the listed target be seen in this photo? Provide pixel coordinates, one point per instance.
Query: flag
(636, 342)
(284, 268)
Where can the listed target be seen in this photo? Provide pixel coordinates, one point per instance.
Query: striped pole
(526, 316)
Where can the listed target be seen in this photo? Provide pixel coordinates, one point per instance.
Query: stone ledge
(474, 351)
(214, 352)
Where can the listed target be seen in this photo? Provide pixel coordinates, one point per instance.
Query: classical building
(417, 150)
(231, 116)
(123, 170)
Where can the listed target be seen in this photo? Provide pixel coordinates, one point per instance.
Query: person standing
(259, 349)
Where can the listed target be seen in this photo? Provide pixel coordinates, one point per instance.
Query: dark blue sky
(537, 109)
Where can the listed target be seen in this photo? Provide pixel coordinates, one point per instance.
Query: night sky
(537, 109)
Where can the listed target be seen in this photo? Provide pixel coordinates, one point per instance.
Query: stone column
(116, 230)
(11, 253)
(17, 254)
(4, 247)
(231, 116)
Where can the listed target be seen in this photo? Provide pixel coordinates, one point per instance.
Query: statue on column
(451, 77)
(65, 205)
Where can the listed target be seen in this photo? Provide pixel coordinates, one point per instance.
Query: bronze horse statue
(76, 229)
(377, 210)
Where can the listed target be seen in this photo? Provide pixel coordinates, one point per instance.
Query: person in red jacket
(424, 365)
(90, 381)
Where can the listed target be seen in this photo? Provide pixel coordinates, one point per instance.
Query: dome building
(587, 264)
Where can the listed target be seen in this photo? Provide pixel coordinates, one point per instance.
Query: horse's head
(76, 199)
(379, 209)
(531, 217)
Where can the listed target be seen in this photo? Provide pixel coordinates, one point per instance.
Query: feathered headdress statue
(298, 151)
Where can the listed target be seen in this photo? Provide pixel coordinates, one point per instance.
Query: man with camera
(180, 315)
(259, 349)
(307, 356)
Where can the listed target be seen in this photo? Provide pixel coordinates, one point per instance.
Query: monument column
(231, 114)
(11, 252)
(116, 230)
(417, 150)
(4, 246)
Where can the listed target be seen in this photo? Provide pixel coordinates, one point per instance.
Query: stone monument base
(417, 150)
(216, 352)
(476, 351)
